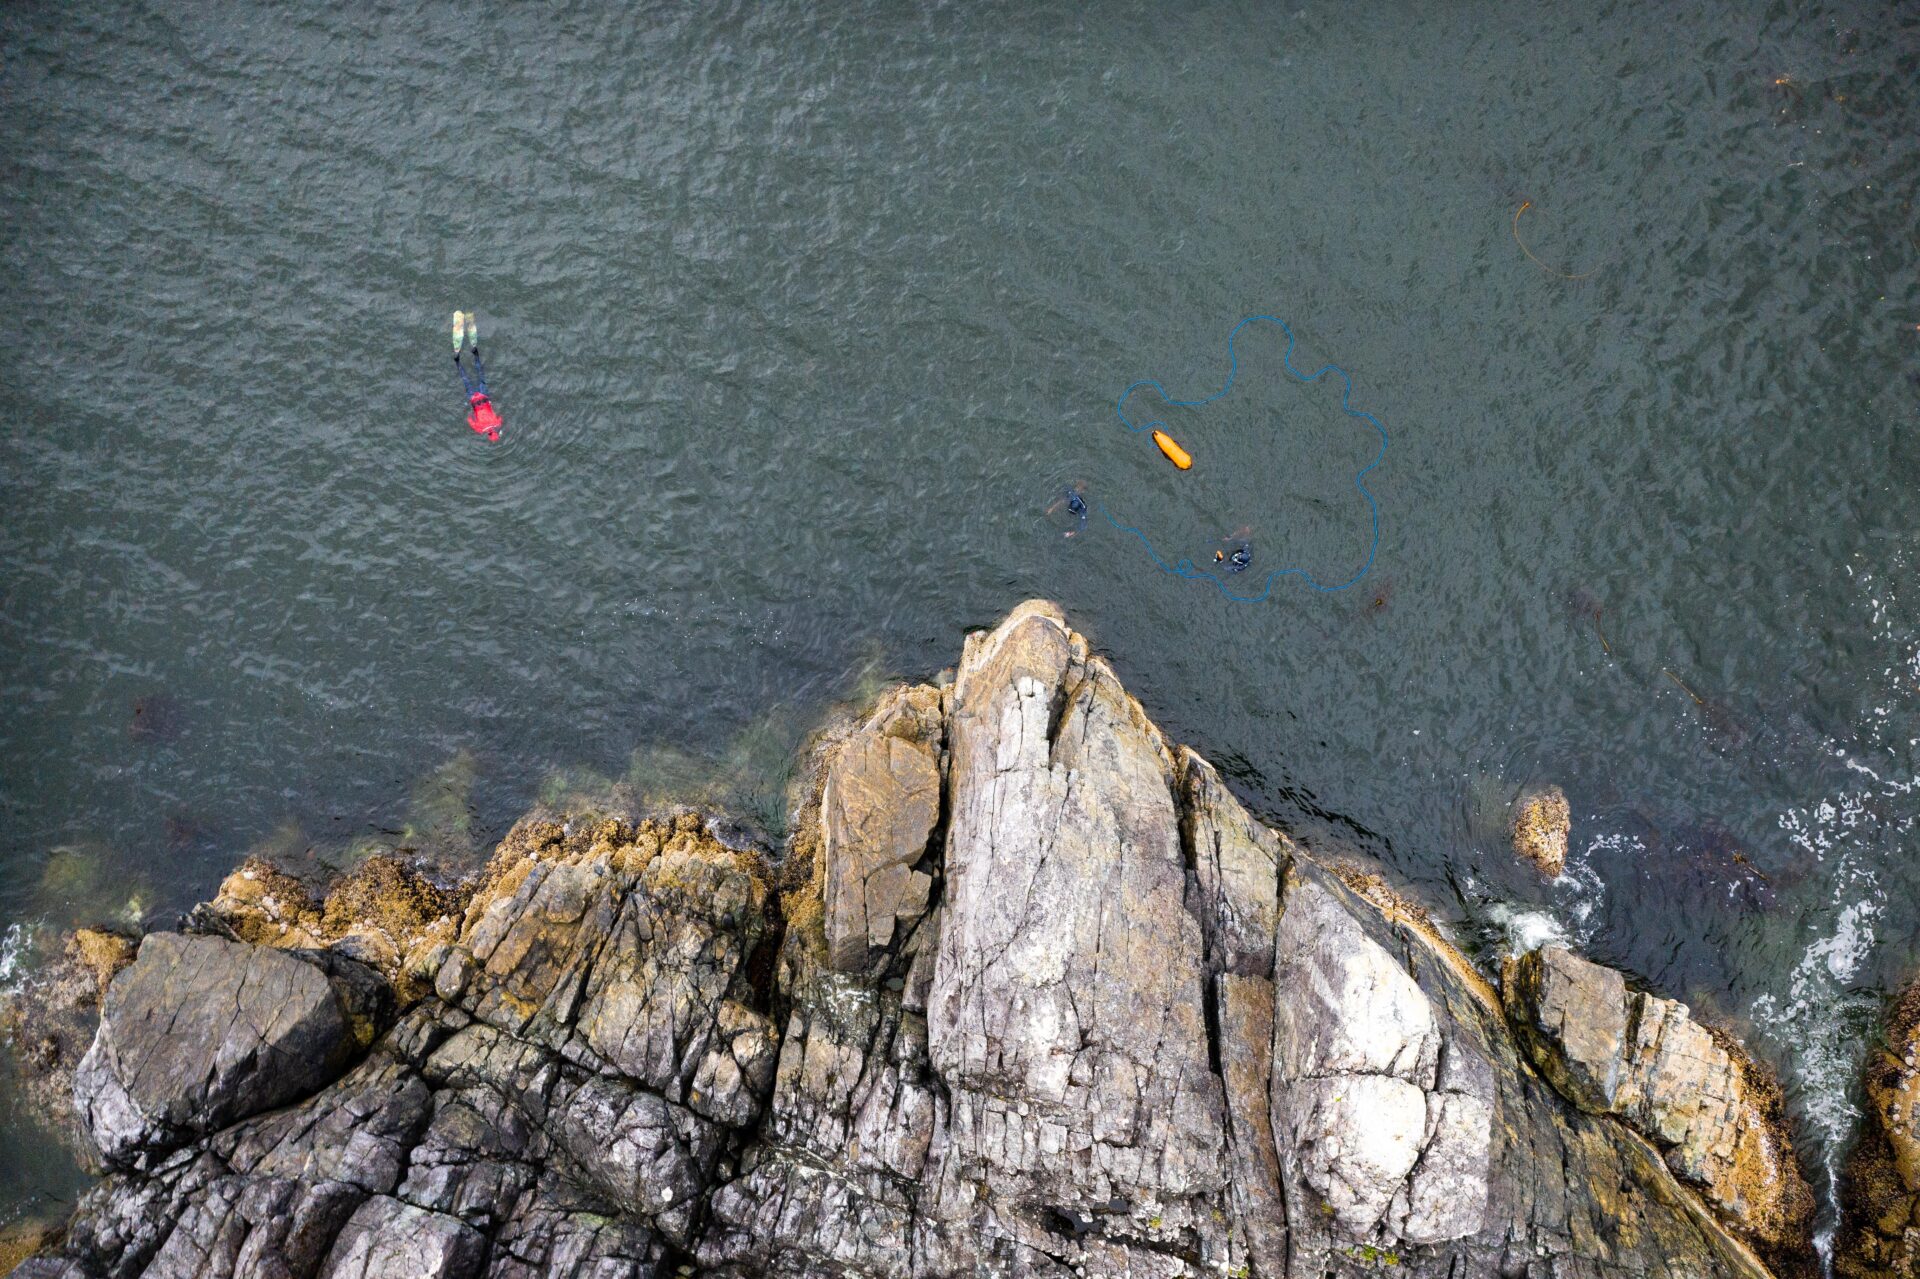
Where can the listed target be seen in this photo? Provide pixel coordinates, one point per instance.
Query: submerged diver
(1240, 556)
(480, 411)
(1075, 505)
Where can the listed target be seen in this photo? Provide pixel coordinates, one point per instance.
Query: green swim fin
(473, 331)
(459, 319)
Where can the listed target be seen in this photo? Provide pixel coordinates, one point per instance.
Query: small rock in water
(1541, 824)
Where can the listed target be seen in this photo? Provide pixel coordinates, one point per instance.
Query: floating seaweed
(1793, 100)
(1725, 728)
(1524, 206)
(1704, 861)
(1690, 889)
(1584, 606)
(186, 832)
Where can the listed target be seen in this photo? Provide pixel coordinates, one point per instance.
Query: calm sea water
(801, 316)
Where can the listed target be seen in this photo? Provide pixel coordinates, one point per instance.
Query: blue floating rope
(1184, 567)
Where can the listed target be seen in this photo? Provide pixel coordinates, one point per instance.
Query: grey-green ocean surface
(801, 318)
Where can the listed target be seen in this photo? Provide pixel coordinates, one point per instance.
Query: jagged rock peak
(1031, 995)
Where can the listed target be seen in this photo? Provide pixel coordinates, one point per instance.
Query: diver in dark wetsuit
(1236, 561)
(1075, 505)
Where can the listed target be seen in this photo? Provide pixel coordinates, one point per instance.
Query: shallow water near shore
(801, 319)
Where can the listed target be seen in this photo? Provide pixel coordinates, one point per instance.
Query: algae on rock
(1879, 1235)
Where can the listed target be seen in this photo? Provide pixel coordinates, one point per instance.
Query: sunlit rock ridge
(1029, 994)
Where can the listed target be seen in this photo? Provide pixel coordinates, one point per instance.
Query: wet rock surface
(1879, 1234)
(1041, 998)
(1542, 824)
(49, 1023)
(1716, 1118)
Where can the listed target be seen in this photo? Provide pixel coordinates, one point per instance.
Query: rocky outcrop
(1879, 1234)
(383, 913)
(1045, 1001)
(201, 1031)
(1542, 824)
(877, 812)
(49, 1022)
(1717, 1118)
(1387, 1142)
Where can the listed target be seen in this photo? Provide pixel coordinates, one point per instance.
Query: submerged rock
(1039, 998)
(156, 718)
(1879, 1234)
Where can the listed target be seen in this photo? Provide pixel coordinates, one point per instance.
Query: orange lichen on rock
(668, 855)
(383, 913)
(101, 953)
(262, 904)
(1542, 822)
(49, 1021)
(20, 1241)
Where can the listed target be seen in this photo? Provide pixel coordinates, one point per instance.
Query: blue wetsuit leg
(466, 381)
(479, 371)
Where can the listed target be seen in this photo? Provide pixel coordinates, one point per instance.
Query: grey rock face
(1121, 1029)
(200, 1031)
(1387, 1142)
(389, 1237)
(1067, 1012)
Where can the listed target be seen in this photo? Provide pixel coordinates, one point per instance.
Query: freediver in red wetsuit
(481, 415)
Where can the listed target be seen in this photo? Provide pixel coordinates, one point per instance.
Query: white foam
(16, 955)
(1527, 930)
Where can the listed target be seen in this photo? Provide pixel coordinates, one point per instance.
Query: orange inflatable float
(1175, 454)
